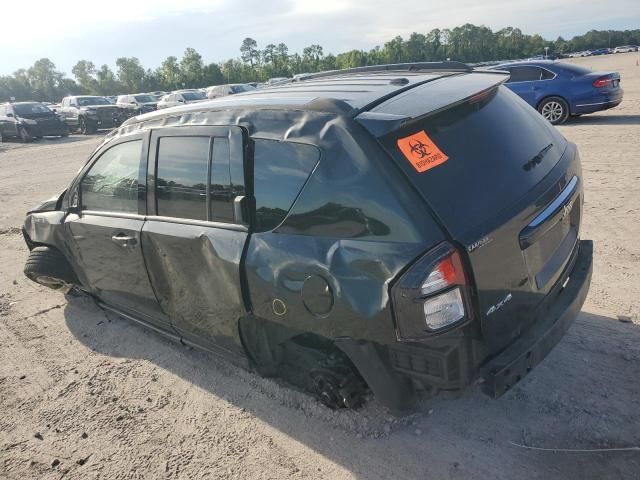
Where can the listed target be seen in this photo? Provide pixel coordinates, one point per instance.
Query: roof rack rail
(451, 66)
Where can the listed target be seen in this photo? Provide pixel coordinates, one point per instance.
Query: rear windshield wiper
(538, 158)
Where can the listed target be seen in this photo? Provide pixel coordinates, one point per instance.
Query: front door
(106, 230)
(194, 236)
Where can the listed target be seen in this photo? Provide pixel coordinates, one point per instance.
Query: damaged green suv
(401, 229)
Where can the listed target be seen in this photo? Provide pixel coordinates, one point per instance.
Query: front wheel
(86, 127)
(24, 135)
(554, 109)
(48, 266)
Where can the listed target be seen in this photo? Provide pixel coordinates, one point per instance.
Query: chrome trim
(98, 213)
(200, 223)
(556, 203)
(598, 103)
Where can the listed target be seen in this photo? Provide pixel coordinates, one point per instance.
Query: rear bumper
(597, 103)
(556, 316)
(454, 361)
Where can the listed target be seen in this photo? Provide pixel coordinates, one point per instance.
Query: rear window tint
(497, 148)
(574, 69)
(280, 171)
(181, 185)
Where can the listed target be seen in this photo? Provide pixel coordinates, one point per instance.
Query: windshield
(144, 98)
(87, 101)
(191, 96)
(574, 69)
(30, 108)
(241, 88)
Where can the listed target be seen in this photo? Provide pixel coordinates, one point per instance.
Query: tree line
(467, 43)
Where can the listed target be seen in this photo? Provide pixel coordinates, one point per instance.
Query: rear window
(494, 149)
(280, 171)
(574, 69)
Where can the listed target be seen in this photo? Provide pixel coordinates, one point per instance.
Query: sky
(66, 31)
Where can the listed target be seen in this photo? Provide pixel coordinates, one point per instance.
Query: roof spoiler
(409, 67)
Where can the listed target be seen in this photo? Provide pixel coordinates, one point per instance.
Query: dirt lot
(85, 395)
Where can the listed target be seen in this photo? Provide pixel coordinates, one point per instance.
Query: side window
(280, 171)
(112, 183)
(182, 171)
(546, 74)
(221, 195)
(525, 74)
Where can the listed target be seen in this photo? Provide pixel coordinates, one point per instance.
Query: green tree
(85, 71)
(130, 74)
(191, 68)
(106, 81)
(43, 78)
(249, 52)
(169, 74)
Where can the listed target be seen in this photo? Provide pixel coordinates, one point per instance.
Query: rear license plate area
(547, 257)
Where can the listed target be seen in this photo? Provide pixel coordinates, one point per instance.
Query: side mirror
(10, 115)
(74, 202)
(54, 110)
(181, 100)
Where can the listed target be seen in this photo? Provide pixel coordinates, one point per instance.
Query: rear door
(526, 81)
(195, 234)
(106, 230)
(507, 188)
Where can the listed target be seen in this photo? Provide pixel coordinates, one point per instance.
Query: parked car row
(28, 120)
(603, 51)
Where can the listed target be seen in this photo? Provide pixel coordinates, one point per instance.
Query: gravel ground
(85, 395)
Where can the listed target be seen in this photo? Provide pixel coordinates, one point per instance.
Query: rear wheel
(48, 267)
(554, 109)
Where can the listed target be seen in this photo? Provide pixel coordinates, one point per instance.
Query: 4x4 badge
(500, 304)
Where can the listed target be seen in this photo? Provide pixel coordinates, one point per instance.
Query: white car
(217, 91)
(181, 98)
(625, 49)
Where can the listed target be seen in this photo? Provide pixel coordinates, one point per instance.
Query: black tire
(82, 126)
(47, 266)
(554, 109)
(24, 135)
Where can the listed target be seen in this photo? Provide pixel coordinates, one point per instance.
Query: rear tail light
(603, 82)
(432, 296)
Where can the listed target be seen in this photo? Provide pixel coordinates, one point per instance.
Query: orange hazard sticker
(421, 151)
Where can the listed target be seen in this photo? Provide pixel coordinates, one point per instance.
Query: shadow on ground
(604, 120)
(585, 395)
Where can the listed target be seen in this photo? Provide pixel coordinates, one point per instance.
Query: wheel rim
(49, 282)
(552, 111)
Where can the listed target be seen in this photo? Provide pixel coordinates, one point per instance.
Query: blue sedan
(559, 90)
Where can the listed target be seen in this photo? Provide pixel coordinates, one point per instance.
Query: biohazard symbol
(418, 148)
(421, 152)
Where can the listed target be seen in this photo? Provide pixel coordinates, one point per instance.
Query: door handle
(124, 240)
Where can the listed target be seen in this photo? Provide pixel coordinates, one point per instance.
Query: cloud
(67, 30)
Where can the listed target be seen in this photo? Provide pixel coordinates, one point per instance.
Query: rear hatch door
(494, 168)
